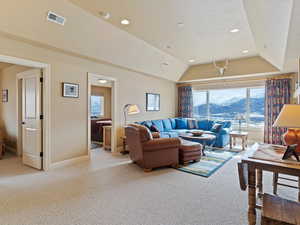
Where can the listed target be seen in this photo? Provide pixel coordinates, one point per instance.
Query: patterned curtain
(278, 93)
(185, 102)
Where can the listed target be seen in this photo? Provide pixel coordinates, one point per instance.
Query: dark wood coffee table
(204, 139)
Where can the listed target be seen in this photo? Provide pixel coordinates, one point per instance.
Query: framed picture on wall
(5, 95)
(70, 90)
(152, 102)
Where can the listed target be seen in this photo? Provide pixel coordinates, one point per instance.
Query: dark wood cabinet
(97, 128)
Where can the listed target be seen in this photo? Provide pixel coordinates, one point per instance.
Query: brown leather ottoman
(189, 151)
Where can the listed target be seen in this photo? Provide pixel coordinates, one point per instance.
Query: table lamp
(289, 117)
(130, 109)
(240, 118)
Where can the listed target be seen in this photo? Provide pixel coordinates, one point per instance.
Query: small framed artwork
(152, 102)
(5, 95)
(70, 90)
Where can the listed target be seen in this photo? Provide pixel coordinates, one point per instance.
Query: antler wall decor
(221, 69)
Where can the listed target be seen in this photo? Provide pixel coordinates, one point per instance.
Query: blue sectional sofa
(172, 127)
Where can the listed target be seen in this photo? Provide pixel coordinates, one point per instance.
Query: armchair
(151, 153)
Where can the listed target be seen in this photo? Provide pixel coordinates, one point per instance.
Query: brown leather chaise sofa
(149, 152)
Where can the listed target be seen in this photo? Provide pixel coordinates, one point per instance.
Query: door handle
(23, 123)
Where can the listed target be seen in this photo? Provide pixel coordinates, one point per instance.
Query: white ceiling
(204, 36)
(268, 28)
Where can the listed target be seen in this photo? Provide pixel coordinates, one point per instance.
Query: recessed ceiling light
(102, 81)
(125, 22)
(180, 24)
(245, 51)
(104, 15)
(234, 30)
(192, 60)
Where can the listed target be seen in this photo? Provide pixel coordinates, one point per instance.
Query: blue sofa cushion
(178, 131)
(173, 123)
(192, 124)
(216, 128)
(173, 134)
(226, 124)
(164, 135)
(202, 124)
(147, 123)
(205, 124)
(158, 124)
(210, 124)
(167, 125)
(181, 123)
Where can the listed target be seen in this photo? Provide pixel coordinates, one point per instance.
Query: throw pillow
(159, 125)
(154, 128)
(147, 124)
(192, 124)
(216, 127)
(181, 123)
(167, 125)
(173, 123)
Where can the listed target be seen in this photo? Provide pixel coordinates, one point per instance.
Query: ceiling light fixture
(102, 81)
(245, 51)
(125, 22)
(192, 60)
(180, 24)
(234, 30)
(104, 15)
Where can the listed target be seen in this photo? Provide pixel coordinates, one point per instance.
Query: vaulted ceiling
(200, 30)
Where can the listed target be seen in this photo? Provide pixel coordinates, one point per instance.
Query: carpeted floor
(110, 190)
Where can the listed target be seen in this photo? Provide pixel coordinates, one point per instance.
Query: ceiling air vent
(53, 17)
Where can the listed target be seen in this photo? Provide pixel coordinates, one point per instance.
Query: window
(257, 107)
(97, 106)
(200, 104)
(226, 104)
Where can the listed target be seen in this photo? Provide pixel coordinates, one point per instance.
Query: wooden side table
(237, 134)
(107, 137)
(124, 145)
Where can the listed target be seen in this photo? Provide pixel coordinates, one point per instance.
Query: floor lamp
(130, 109)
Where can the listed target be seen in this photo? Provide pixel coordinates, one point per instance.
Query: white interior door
(31, 121)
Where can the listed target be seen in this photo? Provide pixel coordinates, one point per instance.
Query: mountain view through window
(226, 104)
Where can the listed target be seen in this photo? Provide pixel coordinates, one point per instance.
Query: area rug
(209, 164)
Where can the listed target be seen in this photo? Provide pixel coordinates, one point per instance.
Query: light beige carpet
(110, 190)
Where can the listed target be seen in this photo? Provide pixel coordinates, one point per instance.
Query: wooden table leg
(251, 195)
(259, 174)
(299, 189)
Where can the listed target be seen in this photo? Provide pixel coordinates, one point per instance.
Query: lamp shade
(289, 117)
(133, 109)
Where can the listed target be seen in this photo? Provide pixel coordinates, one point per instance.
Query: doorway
(101, 114)
(28, 99)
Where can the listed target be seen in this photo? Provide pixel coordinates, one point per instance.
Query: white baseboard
(69, 162)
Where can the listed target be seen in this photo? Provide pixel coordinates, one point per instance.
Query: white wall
(69, 116)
